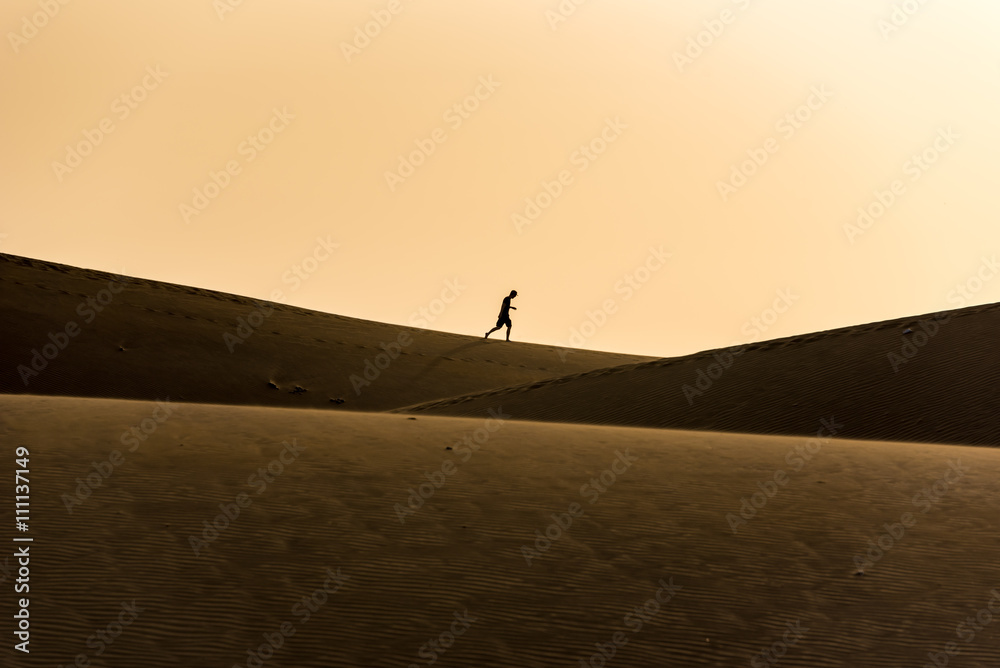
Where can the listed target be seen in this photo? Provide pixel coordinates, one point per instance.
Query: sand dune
(196, 531)
(327, 517)
(152, 340)
(930, 378)
(157, 340)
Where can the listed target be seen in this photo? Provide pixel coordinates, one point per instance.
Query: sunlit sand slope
(76, 332)
(455, 571)
(928, 378)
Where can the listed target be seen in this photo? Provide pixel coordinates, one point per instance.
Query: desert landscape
(500, 334)
(574, 519)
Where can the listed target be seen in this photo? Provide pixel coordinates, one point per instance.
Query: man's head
(513, 293)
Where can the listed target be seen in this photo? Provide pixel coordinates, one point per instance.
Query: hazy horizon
(223, 144)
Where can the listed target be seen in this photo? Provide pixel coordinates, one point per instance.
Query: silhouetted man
(504, 318)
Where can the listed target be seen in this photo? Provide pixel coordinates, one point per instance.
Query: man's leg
(491, 331)
(508, 332)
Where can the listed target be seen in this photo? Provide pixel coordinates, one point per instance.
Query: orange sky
(614, 122)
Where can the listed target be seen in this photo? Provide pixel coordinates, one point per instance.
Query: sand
(664, 517)
(154, 340)
(928, 378)
(260, 522)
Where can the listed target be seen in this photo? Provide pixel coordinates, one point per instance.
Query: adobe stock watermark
(769, 656)
(914, 168)
(796, 458)
(31, 25)
(581, 158)
(900, 15)
(246, 326)
(923, 500)
(627, 286)
(965, 291)
(752, 328)
(364, 34)
(88, 309)
(787, 126)
(468, 445)
(634, 620)
(392, 350)
(121, 108)
(248, 149)
(431, 650)
(426, 315)
(455, 116)
(914, 340)
(304, 608)
(713, 29)
(591, 490)
(372, 370)
(230, 512)
(562, 12)
(133, 437)
(295, 276)
(966, 630)
(224, 7)
(102, 639)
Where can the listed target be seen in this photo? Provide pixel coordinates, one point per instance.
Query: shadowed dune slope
(938, 383)
(157, 340)
(331, 506)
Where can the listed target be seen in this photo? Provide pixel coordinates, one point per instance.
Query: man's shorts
(503, 321)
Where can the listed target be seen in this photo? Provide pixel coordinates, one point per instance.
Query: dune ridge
(538, 519)
(153, 340)
(929, 378)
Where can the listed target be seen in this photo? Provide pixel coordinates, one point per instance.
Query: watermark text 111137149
(22, 508)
